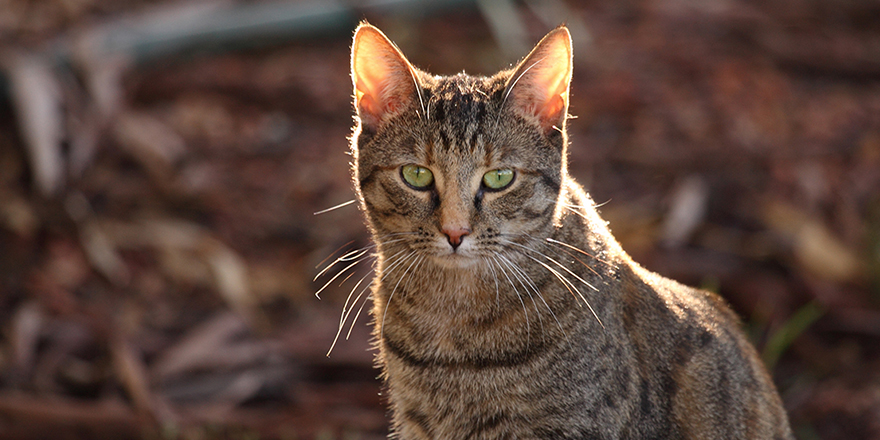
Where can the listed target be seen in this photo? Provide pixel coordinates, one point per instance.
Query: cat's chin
(455, 260)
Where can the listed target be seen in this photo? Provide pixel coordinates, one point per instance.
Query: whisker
(346, 278)
(510, 88)
(332, 254)
(355, 257)
(418, 262)
(517, 273)
(333, 208)
(338, 274)
(495, 278)
(583, 263)
(361, 308)
(524, 276)
(391, 296)
(391, 266)
(556, 263)
(538, 293)
(358, 314)
(346, 312)
(565, 281)
(345, 309)
(421, 259)
(352, 255)
(569, 286)
(515, 290)
(579, 250)
(573, 209)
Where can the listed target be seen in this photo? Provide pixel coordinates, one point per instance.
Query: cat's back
(693, 374)
(699, 376)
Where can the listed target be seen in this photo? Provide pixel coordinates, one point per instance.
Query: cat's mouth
(459, 256)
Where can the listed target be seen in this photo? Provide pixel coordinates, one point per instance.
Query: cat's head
(455, 167)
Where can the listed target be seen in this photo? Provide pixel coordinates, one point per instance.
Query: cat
(503, 308)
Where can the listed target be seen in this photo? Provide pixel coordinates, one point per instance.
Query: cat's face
(456, 168)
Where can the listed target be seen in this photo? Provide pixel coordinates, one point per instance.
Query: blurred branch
(219, 25)
(36, 97)
(33, 417)
(102, 53)
(814, 246)
(507, 26)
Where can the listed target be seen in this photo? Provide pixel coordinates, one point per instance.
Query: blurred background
(161, 164)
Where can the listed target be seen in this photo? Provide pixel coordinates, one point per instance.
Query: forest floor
(158, 239)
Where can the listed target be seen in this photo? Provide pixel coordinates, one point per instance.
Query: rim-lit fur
(538, 325)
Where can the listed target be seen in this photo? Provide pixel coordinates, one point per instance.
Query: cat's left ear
(384, 81)
(538, 87)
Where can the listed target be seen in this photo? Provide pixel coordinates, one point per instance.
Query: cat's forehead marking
(460, 106)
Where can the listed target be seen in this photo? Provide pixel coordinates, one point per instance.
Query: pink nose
(455, 235)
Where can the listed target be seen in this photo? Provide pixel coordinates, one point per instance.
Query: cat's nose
(455, 235)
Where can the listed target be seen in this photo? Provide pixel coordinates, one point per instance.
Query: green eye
(417, 177)
(498, 179)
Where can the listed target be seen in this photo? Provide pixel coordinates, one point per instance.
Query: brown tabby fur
(538, 326)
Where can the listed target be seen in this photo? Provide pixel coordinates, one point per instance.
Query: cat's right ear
(384, 81)
(539, 85)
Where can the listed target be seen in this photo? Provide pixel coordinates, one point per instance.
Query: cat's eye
(418, 177)
(498, 179)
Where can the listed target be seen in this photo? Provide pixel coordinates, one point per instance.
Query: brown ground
(155, 282)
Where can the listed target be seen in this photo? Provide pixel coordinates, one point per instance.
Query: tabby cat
(503, 307)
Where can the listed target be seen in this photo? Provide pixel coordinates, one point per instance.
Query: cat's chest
(466, 316)
(457, 403)
(521, 397)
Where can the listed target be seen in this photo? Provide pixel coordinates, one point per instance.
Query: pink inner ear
(368, 92)
(366, 104)
(553, 107)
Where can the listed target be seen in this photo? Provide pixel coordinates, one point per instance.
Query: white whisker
(389, 268)
(352, 255)
(581, 251)
(391, 296)
(515, 290)
(333, 208)
(583, 263)
(332, 254)
(527, 284)
(538, 293)
(558, 264)
(495, 278)
(355, 256)
(565, 281)
(510, 88)
(338, 274)
(346, 311)
(360, 309)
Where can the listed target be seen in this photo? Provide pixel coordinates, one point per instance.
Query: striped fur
(538, 326)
